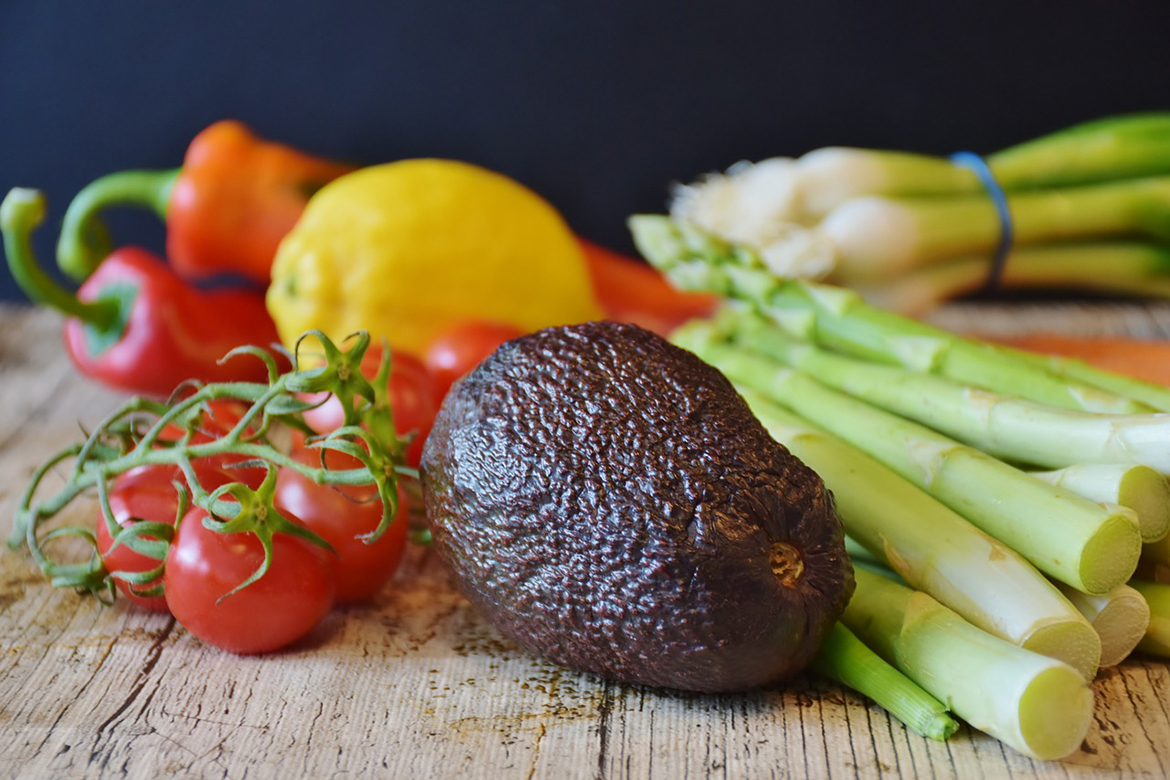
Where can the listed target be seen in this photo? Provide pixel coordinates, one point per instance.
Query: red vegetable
(134, 325)
(341, 515)
(221, 417)
(226, 209)
(204, 567)
(145, 493)
(412, 399)
(631, 291)
(148, 493)
(461, 348)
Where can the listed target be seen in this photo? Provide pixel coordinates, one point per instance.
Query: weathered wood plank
(416, 684)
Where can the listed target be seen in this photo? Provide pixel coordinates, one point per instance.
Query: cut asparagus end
(1140, 488)
(1157, 638)
(845, 658)
(931, 547)
(1054, 713)
(1075, 643)
(1105, 559)
(1147, 493)
(1155, 561)
(1120, 619)
(1035, 704)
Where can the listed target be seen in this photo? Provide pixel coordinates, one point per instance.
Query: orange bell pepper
(226, 209)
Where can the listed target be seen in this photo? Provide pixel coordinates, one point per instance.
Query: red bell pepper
(630, 290)
(226, 209)
(134, 325)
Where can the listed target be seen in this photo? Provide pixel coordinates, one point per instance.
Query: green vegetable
(1130, 268)
(838, 319)
(1118, 147)
(1157, 638)
(1120, 618)
(934, 549)
(869, 218)
(1139, 488)
(1005, 426)
(1089, 546)
(845, 658)
(882, 237)
(1101, 150)
(1035, 704)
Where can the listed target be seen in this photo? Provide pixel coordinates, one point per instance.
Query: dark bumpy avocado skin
(609, 502)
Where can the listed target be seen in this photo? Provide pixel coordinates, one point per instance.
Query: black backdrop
(597, 105)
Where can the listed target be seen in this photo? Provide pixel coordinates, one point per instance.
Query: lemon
(406, 249)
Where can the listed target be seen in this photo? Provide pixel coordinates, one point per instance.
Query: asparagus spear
(934, 549)
(845, 658)
(1140, 488)
(1037, 705)
(1157, 638)
(839, 319)
(1005, 426)
(1120, 617)
(1089, 546)
(1153, 395)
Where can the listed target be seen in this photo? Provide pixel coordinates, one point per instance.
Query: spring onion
(845, 658)
(1120, 268)
(865, 218)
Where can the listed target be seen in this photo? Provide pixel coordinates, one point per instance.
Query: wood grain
(416, 684)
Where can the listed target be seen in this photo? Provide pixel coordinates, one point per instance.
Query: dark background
(597, 105)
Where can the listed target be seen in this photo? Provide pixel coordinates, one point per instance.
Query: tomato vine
(181, 432)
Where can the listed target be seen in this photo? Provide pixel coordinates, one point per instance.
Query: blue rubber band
(999, 199)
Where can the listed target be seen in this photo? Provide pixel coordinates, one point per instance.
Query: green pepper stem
(84, 241)
(20, 213)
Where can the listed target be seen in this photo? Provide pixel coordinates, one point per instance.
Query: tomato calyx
(253, 512)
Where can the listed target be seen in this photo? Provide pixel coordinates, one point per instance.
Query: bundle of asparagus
(1005, 500)
(1087, 208)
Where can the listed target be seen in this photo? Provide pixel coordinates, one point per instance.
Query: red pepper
(226, 209)
(134, 325)
(630, 290)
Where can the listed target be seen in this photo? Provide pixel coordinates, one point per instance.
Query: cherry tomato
(338, 514)
(144, 493)
(204, 565)
(412, 397)
(222, 416)
(461, 348)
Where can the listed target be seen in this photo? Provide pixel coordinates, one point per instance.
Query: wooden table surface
(418, 685)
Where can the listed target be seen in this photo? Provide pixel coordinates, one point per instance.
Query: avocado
(609, 502)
